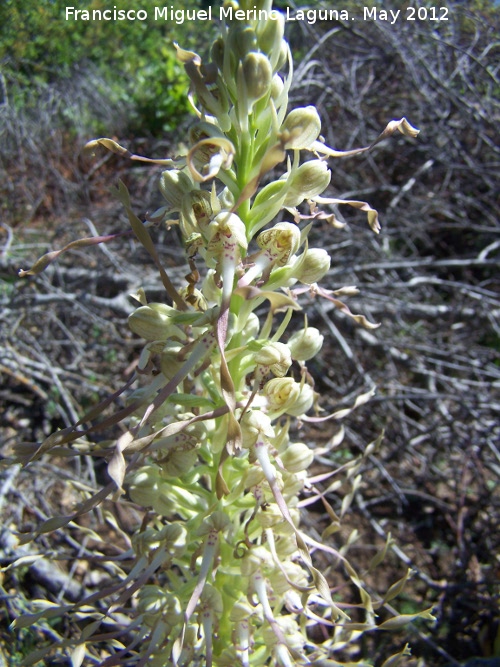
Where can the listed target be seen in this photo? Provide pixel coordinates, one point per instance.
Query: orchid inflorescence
(208, 450)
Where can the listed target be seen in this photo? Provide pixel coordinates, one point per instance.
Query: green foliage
(135, 60)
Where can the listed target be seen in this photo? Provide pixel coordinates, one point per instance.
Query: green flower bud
(254, 559)
(241, 611)
(217, 52)
(154, 601)
(253, 476)
(151, 601)
(255, 425)
(281, 394)
(303, 403)
(301, 128)
(251, 327)
(269, 516)
(282, 56)
(257, 77)
(211, 599)
(293, 483)
(311, 266)
(241, 39)
(178, 462)
(309, 180)
(270, 34)
(297, 457)
(276, 356)
(305, 344)
(153, 322)
(295, 639)
(173, 536)
(169, 359)
(217, 521)
(209, 289)
(145, 490)
(277, 87)
(294, 573)
(174, 184)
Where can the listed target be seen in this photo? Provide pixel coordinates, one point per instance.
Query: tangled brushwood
(222, 571)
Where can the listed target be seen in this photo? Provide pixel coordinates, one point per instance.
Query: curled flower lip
(401, 125)
(213, 154)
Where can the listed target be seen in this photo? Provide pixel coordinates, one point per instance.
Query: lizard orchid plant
(223, 573)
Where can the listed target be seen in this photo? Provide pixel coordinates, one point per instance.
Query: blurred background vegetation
(431, 278)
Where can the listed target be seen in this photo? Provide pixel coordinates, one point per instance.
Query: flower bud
(270, 33)
(145, 489)
(294, 572)
(309, 180)
(269, 516)
(154, 601)
(277, 87)
(257, 76)
(251, 327)
(255, 425)
(303, 402)
(217, 52)
(153, 322)
(241, 611)
(217, 521)
(281, 393)
(283, 56)
(174, 184)
(241, 39)
(293, 484)
(276, 356)
(311, 266)
(169, 359)
(305, 344)
(254, 559)
(253, 476)
(211, 599)
(178, 462)
(297, 457)
(295, 639)
(301, 128)
(174, 537)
